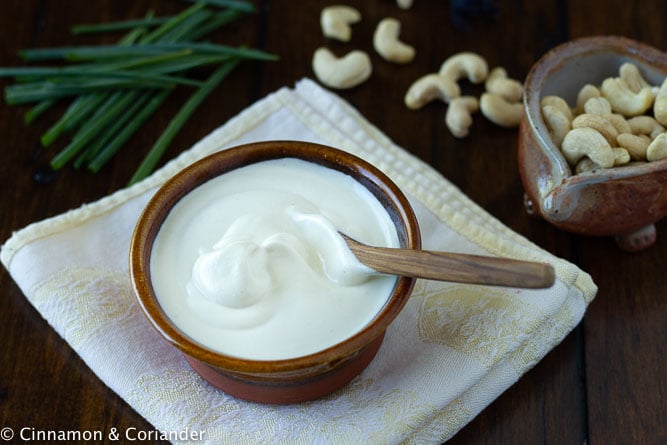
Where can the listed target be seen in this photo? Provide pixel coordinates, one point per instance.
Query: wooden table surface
(604, 384)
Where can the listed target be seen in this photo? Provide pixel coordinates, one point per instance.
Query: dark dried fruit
(44, 175)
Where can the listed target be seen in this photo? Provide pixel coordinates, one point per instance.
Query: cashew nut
(658, 148)
(499, 111)
(586, 142)
(336, 20)
(636, 145)
(645, 125)
(625, 101)
(621, 156)
(559, 103)
(632, 77)
(585, 165)
(597, 105)
(557, 123)
(468, 64)
(497, 82)
(616, 112)
(597, 122)
(345, 72)
(586, 92)
(459, 115)
(619, 122)
(387, 44)
(660, 104)
(430, 87)
(404, 4)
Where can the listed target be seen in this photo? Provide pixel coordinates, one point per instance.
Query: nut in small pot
(591, 142)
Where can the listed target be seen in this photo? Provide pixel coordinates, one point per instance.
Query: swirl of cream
(232, 274)
(338, 262)
(261, 253)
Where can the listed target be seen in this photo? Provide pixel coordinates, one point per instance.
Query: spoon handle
(455, 267)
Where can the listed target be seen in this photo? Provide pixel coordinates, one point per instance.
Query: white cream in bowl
(251, 264)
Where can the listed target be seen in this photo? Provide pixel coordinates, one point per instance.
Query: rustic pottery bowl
(274, 381)
(623, 202)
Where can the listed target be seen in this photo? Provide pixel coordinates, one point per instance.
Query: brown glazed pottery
(276, 381)
(623, 202)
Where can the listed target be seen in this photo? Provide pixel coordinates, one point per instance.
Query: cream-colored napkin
(452, 350)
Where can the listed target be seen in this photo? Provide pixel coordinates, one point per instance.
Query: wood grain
(604, 384)
(454, 267)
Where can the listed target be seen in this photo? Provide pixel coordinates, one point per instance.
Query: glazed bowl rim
(228, 159)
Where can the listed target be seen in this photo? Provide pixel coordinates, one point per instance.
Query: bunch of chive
(113, 89)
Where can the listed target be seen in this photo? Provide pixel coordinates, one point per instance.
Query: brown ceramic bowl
(276, 381)
(624, 202)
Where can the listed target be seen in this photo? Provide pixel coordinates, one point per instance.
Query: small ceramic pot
(274, 381)
(623, 202)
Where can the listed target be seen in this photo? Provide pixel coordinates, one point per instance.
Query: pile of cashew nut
(620, 122)
(500, 103)
(355, 67)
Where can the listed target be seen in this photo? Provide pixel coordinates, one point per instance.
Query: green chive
(101, 52)
(185, 63)
(119, 26)
(177, 122)
(185, 27)
(27, 93)
(142, 62)
(109, 133)
(171, 24)
(74, 115)
(217, 21)
(238, 5)
(38, 110)
(117, 87)
(113, 146)
(115, 105)
(51, 75)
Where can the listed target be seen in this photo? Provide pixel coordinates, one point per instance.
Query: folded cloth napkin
(452, 350)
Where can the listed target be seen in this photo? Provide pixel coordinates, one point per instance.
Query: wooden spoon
(455, 267)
